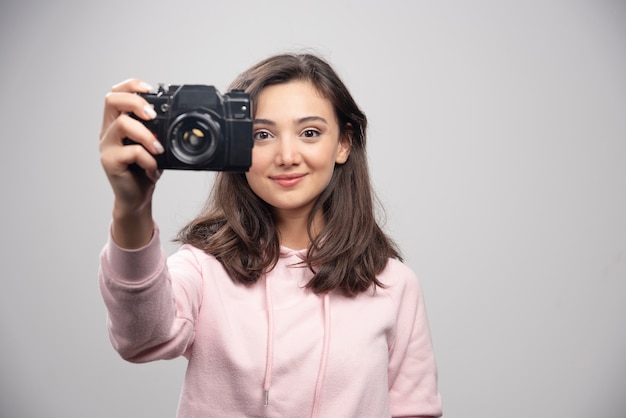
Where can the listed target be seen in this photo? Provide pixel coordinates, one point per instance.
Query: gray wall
(497, 143)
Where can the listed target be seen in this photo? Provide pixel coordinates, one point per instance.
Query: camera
(200, 129)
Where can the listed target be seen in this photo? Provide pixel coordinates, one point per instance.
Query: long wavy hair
(238, 228)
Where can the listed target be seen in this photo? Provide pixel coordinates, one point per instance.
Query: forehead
(299, 98)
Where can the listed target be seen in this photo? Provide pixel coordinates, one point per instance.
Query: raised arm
(132, 225)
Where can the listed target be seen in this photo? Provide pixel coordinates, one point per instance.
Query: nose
(287, 152)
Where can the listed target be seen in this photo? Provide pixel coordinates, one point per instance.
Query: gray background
(497, 144)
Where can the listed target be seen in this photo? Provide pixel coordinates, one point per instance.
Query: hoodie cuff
(137, 264)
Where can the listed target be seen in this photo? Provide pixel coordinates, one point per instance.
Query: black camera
(201, 129)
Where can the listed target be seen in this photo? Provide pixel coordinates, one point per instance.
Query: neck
(292, 229)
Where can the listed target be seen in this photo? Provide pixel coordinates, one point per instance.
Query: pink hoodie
(272, 349)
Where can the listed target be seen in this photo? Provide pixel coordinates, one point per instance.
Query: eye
(261, 136)
(310, 133)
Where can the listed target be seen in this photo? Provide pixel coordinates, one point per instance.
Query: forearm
(137, 292)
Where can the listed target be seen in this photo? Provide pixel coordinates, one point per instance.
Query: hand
(132, 189)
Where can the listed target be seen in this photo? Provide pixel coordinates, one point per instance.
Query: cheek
(257, 169)
(325, 158)
(255, 183)
(259, 160)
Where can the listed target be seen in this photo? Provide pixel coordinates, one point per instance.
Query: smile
(288, 180)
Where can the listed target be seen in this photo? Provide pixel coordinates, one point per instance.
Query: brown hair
(237, 227)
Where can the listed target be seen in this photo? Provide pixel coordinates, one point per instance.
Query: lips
(288, 180)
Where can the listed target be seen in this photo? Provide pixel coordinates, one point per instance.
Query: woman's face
(296, 146)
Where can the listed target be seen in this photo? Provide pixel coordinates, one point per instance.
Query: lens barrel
(193, 137)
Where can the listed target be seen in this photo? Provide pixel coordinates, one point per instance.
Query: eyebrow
(305, 119)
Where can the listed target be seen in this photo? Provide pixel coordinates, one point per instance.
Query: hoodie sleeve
(150, 316)
(413, 390)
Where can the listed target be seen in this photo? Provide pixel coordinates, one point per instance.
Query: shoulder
(189, 256)
(397, 273)
(399, 280)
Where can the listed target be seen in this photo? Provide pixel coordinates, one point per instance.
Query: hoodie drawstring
(269, 360)
(322, 370)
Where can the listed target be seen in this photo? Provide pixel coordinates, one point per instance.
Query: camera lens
(193, 137)
(193, 140)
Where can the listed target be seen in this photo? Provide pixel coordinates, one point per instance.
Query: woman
(286, 297)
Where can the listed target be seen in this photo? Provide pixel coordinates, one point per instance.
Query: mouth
(288, 180)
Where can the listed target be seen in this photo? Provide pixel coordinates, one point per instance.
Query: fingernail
(158, 148)
(149, 111)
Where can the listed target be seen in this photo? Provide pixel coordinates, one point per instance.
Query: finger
(132, 85)
(116, 161)
(117, 103)
(120, 100)
(126, 127)
(147, 162)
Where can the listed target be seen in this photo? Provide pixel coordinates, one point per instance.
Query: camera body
(201, 129)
